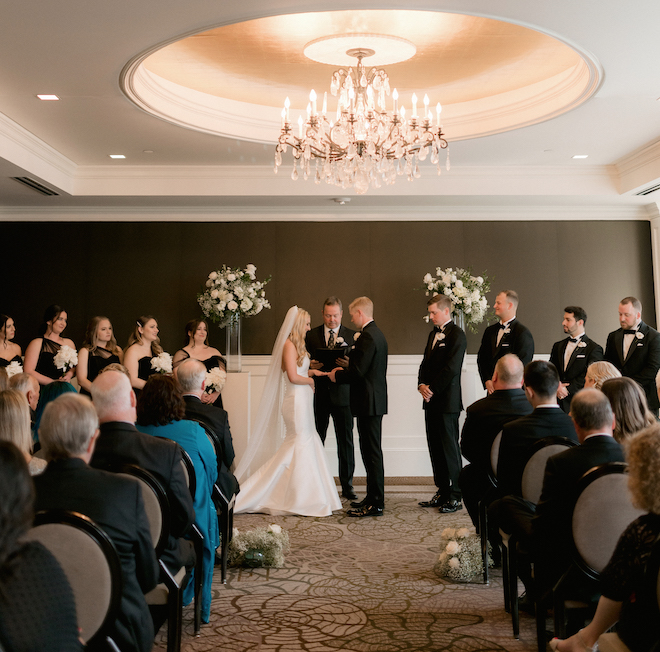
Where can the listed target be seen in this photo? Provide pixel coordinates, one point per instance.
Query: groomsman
(330, 399)
(439, 383)
(573, 355)
(634, 349)
(507, 336)
(367, 376)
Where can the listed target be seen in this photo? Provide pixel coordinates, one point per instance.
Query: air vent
(36, 186)
(648, 191)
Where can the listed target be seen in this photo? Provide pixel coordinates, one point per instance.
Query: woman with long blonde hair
(99, 349)
(295, 479)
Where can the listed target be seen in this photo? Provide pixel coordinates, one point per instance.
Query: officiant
(328, 345)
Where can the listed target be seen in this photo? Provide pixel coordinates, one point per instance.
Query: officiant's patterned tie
(331, 340)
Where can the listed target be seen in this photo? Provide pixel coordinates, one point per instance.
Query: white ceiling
(78, 49)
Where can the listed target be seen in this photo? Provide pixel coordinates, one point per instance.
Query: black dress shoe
(349, 494)
(436, 501)
(367, 510)
(451, 506)
(359, 503)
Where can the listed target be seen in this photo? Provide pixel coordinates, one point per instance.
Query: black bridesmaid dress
(98, 360)
(46, 362)
(6, 363)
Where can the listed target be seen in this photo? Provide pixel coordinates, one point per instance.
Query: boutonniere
(439, 337)
(639, 336)
(582, 345)
(356, 335)
(340, 341)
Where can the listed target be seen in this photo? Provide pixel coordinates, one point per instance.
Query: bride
(294, 478)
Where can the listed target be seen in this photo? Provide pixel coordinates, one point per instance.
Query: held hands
(426, 392)
(315, 364)
(315, 371)
(562, 392)
(333, 374)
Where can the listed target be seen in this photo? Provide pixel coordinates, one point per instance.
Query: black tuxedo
(484, 419)
(367, 375)
(332, 399)
(518, 440)
(441, 371)
(217, 420)
(519, 341)
(122, 443)
(643, 359)
(115, 504)
(576, 369)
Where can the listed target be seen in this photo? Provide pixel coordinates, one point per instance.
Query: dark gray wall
(123, 270)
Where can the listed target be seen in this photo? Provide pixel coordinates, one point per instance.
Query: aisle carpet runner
(359, 585)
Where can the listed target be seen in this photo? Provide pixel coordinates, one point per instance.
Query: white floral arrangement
(259, 547)
(460, 559)
(162, 363)
(232, 292)
(14, 368)
(467, 293)
(66, 358)
(215, 380)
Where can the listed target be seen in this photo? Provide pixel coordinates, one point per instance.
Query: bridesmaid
(197, 347)
(98, 351)
(9, 351)
(40, 352)
(143, 345)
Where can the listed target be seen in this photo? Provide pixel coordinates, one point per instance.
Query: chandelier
(366, 143)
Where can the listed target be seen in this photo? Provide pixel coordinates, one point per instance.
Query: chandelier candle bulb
(395, 97)
(312, 99)
(300, 124)
(287, 104)
(414, 103)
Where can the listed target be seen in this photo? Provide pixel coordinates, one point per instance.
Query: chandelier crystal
(365, 143)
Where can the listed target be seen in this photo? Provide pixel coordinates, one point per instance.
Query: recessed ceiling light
(581, 156)
(48, 97)
(116, 156)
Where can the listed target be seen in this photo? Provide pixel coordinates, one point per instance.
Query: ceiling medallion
(366, 143)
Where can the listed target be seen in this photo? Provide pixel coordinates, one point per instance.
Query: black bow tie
(438, 329)
(573, 339)
(502, 326)
(629, 331)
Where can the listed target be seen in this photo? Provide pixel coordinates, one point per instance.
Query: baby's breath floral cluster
(272, 542)
(467, 292)
(232, 292)
(460, 559)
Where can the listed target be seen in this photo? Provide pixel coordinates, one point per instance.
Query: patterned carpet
(360, 585)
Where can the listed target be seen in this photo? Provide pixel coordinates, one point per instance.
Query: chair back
(603, 509)
(212, 436)
(534, 471)
(495, 454)
(90, 562)
(189, 472)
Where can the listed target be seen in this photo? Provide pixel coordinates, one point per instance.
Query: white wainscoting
(404, 439)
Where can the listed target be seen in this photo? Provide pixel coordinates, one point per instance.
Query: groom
(366, 374)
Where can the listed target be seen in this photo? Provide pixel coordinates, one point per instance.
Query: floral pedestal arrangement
(259, 547)
(460, 556)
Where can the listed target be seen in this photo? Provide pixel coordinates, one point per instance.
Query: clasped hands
(425, 391)
(315, 366)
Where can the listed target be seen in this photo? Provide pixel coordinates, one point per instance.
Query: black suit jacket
(441, 369)
(367, 373)
(643, 359)
(519, 341)
(485, 418)
(518, 440)
(576, 369)
(327, 393)
(122, 443)
(115, 504)
(217, 420)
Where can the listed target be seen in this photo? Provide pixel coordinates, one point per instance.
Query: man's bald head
(191, 375)
(508, 372)
(113, 397)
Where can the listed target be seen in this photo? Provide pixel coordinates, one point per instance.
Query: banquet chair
(485, 501)
(531, 486)
(602, 510)
(91, 564)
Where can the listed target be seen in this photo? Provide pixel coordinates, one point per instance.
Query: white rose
(452, 548)
(459, 283)
(213, 276)
(462, 533)
(246, 304)
(209, 284)
(214, 294)
(480, 280)
(454, 563)
(427, 279)
(232, 305)
(231, 277)
(448, 533)
(446, 279)
(275, 529)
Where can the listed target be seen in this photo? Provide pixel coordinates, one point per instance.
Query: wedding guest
(15, 427)
(622, 601)
(68, 433)
(143, 345)
(98, 350)
(161, 412)
(630, 408)
(573, 355)
(507, 336)
(439, 383)
(30, 388)
(9, 351)
(40, 353)
(634, 349)
(47, 394)
(197, 347)
(598, 373)
(37, 607)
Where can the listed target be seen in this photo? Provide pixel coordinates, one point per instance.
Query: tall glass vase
(233, 347)
(459, 319)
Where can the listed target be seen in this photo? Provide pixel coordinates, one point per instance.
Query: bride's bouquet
(162, 363)
(232, 292)
(215, 380)
(66, 358)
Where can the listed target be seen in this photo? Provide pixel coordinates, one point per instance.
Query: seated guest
(161, 412)
(622, 601)
(484, 420)
(37, 607)
(30, 388)
(119, 442)
(631, 410)
(68, 433)
(191, 375)
(15, 427)
(598, 373)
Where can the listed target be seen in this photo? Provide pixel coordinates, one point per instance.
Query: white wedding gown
(296, 480)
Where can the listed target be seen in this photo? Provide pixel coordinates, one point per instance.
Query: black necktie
(331, 339)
